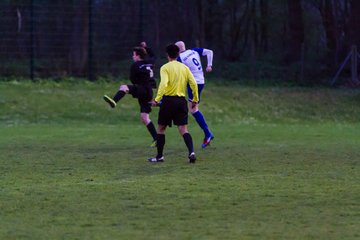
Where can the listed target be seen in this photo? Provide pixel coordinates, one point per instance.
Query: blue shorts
(190, 96)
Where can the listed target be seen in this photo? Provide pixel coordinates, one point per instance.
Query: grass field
(284, 164)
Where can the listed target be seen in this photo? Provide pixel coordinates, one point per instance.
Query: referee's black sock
(189, 143)
(119, 95)
(160, 145)
(152, 130)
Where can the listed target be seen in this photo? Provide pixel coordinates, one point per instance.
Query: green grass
(284, 164)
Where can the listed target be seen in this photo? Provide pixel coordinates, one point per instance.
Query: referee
(175, 77)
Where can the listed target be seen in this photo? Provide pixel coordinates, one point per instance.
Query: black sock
(152, 130)
(160, 145)
(188, 141)
(119, 95)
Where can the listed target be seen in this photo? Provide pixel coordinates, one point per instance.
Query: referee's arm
(162, 86)
(194, 87)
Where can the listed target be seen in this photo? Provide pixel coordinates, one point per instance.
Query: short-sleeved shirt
(175, 77)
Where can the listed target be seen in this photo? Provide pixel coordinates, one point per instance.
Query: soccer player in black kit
(143, 82)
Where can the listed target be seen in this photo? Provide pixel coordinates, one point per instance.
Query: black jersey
(141, 72)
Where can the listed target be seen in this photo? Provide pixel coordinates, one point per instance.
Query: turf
(284, 164)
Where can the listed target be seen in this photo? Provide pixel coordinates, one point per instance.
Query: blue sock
(202, 123)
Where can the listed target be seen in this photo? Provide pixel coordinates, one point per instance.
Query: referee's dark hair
(140, 51)
(172, 51)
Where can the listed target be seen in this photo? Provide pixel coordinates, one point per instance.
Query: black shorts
(144, 95)
(173, 109)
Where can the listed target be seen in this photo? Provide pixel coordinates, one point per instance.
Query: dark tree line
(71, 37)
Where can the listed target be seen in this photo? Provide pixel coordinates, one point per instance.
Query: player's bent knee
(145, 121)
(183, 129)
(161, 129)
(124, 88)
(194, 110)
(145, 118)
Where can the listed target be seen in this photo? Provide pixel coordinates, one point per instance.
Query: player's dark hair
(140, 51)
(172, 51)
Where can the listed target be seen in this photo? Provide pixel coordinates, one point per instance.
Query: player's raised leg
(117, 97)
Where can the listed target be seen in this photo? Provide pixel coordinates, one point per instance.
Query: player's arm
(194, 87)
(209, 55)
(164, 79)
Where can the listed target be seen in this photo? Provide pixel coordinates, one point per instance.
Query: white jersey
(192, 59)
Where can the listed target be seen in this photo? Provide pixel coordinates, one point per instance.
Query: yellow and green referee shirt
(175, 77)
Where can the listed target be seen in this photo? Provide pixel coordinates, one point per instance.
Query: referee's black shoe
(156, 159)
(192, 157)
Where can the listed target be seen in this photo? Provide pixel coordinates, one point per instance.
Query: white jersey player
(192, 59)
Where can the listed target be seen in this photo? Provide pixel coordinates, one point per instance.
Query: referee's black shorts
(173, 109)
